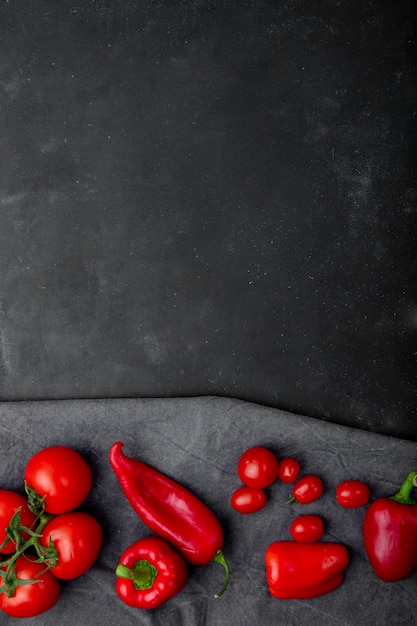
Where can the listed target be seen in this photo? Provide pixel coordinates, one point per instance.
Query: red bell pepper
(170, 510)
(150, 573)
(390, 533)
(300, 571)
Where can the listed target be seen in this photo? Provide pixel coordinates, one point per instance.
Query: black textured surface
(211, 198)
(198, 442)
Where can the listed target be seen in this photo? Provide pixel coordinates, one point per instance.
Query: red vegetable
(150, 573)
(352, 494)
(306, 490)
(248, 500)
(29, 600)
(296, 570)
(77, 538)
(289, 469)
(258, 467)
(10, 502)
(170, 510)
(390, 533)
(60, 476)
(307, 528)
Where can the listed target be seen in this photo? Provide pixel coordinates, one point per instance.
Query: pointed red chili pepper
(170, 510)
(390, 533)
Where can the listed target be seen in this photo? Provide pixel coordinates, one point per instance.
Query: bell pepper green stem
(142, 575)
(219, 558)
(403, 496)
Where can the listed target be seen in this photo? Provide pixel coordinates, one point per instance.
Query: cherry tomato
(352, 494)
(257, 467)
(307, 528)
(77, 537)
(61, 476)
(288, 470)
(10, 502)
(32, 599)
(248, 499)
(307, 489)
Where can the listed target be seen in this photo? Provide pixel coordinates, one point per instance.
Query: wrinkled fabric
(198, 442)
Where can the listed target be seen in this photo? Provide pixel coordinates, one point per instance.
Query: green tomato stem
(45, 555)
(291, 499)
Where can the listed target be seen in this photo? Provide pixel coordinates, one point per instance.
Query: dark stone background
(211, 197)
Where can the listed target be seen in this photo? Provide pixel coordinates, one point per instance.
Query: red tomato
(33, 599)
(257, 467)
(352, 494)
(61, 476)
(248, 499)
(307, 528)
(288, 470)
(307, 489)
(77, 537)
(10, 502)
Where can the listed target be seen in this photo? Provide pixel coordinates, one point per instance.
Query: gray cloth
(198, 441)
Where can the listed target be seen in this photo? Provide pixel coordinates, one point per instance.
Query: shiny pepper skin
(304, 570)
(170, 511)
(150, 573)
(390, 533)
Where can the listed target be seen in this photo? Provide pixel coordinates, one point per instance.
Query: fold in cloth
(198, 442)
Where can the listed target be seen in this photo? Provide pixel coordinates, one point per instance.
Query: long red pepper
(170, 510)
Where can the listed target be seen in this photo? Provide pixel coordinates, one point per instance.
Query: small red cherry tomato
(288, 470)
(307, 489)
(77, 538)
(61, 476)
(352, 494)
(34, 598)
(307, 528)
(10, 503)
(258, 467)
(248, 499)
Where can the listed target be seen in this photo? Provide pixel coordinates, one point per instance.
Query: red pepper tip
(116, 448)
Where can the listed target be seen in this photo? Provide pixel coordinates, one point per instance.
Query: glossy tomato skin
(307, 489)
(78, 538)
(258, 467)
(352, 494)
(61, 475)
(10, 502)
(248, 500)
(33, 599)
(289, 469)
(307, 528)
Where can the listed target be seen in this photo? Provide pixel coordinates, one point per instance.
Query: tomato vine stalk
(16, 532)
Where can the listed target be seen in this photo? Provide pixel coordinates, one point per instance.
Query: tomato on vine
(59, 478)
(77, 537)
(28, 600)
(10, 503)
